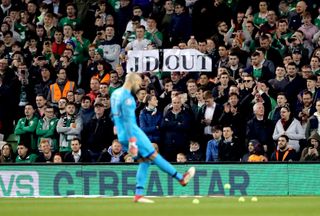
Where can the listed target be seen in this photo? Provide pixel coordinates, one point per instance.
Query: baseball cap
(80, 91)
(100, 51)
(297, 50)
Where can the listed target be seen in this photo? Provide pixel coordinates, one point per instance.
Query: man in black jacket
(229, 147)
(98, 134)
(77, 155)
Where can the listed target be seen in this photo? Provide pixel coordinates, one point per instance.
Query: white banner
(173, 60)
(185, 60)
(143, 61)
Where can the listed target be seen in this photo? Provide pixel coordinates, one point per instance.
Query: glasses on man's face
(247, 81)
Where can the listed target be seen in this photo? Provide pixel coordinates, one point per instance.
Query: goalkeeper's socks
(142, 174)
(167, 167)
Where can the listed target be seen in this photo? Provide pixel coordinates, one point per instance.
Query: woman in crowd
(289, 126)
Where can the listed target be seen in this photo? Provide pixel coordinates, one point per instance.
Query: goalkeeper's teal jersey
(123, 108)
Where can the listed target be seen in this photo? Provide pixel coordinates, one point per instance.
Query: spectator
(140, 102)
(282, 101)
(95, 87)
(114, 154)
(209, 116)
(257, 155)
(46, 129)
(62, 104)
(311, 152)
(41, 104)
(258, 69)
(284, 152)
(98, 132)
(224, 58)
(103, 70)
(26, 129)
(46, 154)
(313, 121)
(311, 91)
(229, 147)
(204, 82)
(192, 99)
(60, 88)
(165, 97)
(270, 25)
(114, 82)
(232, 116)
(176, 125)
(181, 23)
(220, 92)
(128, 159)
(139, 43)
(25, 88)
(70, 96)
(81, 49)
(24, 154)
(234, 66)
(42, 87)
(271, 53)
(71, 17)
(250, 149)
(308, 29)
(305, 108)
(261, 17)
(296, 19)
(260, 128)
(181, 158)
(77, 155)
(57, 158)
(111, 48)
(7, 155)
(150, 119)
(86, 111)
(289, 126)
(212, 152)
(315, 65)
(157, 36)
(130, 35)
(178, 82)
(68, 127)
(194, 153)
(279, 83)
(281, 37)
(58, 45)
(295, 85)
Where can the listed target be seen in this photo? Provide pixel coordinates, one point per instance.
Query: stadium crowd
(60, 61)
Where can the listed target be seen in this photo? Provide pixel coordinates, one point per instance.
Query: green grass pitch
(219, 206)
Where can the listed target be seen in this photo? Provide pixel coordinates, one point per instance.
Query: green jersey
(31, 158)
(26, 129)
(67, 21)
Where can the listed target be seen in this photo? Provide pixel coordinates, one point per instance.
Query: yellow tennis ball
(227, 186)
(195, 201)
(241, 199)
(254, 199)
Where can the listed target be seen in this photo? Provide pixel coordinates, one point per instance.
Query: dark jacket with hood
(305, 156)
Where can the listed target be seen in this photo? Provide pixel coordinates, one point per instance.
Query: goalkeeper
(135, 141)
